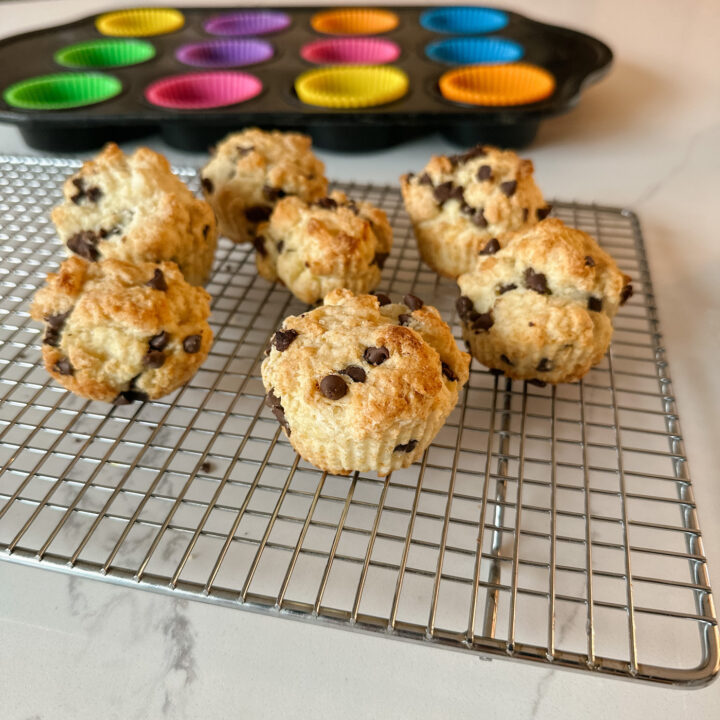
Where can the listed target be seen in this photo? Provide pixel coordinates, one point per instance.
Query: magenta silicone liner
(247, 22)
(225, 53)
(351, 51)
(200, 91)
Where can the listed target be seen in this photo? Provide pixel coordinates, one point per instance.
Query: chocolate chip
(502, 289)
(543, 212)
(404, 319)
(479, 218)
(595, 304)
(280, 246)
(355, 373)
(94, 194)
(208, 186)
(526, 214)
(64, 367)
(507, 360)
(464, 306)
(477, 151)
(121, 400)
(272, 193)
(491, 248)
(448, 373)
(207, 466)
(483, 321)
(279, 413)
(589, 261)
(537, 383)
(383, 299)
(466, 209)
(408, 447)
(159, 341)
(544, 365)
(154, 359)
(484, 173)
(192, 343)
(536, 281)
(413, 301)
(409, 176)
(282, 339)
(55, 326)
(84, 244)
(380, 259)
(79, 183)
(443, 192)
(206, 230)
(458, 193)
(509, 187)
(352, 205)
(259, 244)
(271, 399)
(425, 179)
(376, 355)
(531, 324)
(157, 281)
(327, 203)
(333, 387)
(626, 294)
(258, 213)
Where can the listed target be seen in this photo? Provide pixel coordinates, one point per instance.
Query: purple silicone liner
(351, 51)
(225, 53)
(204, 90)
(247, 22)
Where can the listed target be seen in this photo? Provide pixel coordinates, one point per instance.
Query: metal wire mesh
(550, 524)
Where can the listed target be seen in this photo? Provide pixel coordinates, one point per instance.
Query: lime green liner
(105, 54)
(62, 90)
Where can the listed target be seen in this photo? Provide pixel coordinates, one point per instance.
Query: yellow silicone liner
(140, 22)
(354, 21)
(353, 86)
(512, 84)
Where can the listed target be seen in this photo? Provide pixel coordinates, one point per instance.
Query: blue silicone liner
(474, 51)
(459, 20)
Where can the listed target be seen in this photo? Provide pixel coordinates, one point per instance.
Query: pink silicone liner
(198, 91)
(350, 51)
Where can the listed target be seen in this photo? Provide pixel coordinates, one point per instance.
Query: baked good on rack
(316, 247)
(463, 205)
(253, 169)
(119, 332)
(363, 383)
(134, 208)
(541, 308)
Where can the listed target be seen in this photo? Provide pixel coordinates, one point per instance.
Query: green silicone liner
(105, 54)
(62, 90)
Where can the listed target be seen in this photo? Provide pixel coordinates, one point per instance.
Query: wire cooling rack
(552, 524)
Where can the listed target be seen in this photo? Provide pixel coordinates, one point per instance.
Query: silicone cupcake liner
(474, 51)
(247, 22)
(62, 90)
(464, 20)
(200, 91)
(354, 21)
(516, 84)
(351, 51)
(352, 87)
(105, 54)
(140, 22)
(225, 53)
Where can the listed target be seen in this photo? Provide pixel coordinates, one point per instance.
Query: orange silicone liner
(512, 84)
(354, 21)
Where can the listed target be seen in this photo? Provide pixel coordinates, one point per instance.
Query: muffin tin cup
(140, 22)
(105, 54)
(458, 20)
(351, 51)
(356, 86)
(354, 21)
(247, 22)
(202, 91)
(225, 53)
(474, 51)
(497, 85)
(62, 91)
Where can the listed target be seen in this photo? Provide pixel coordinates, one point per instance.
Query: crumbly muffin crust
(541, 308)
(460, 203)
(134, 208)
(362, 383)
(119, 332)
(253, 169)
(316, 247)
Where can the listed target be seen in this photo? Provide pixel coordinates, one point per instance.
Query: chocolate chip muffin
(363, 383)
(119, 332)
(541, 308)
(462, 203)
(253, 169)
(316, 247)
(134, 209)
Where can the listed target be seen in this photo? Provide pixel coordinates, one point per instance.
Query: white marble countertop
(647, 137)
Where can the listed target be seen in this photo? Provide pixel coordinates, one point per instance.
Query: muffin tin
(353, 78)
